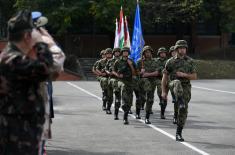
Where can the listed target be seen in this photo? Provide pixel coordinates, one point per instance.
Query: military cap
(162, 50)
(21, 22)
(125, 48)
(102, 52)
(108, 51)
(116, 49)
(181, 43)
(172, 48)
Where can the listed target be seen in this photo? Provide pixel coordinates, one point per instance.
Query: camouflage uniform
(160, 65)
(113, 84)
(121, 66)
(180, 87)
(147, 84)
(96, 64)
(103, 81)
(109, 88)
(21, 104)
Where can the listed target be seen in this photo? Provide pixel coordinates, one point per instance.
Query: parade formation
(170, 71)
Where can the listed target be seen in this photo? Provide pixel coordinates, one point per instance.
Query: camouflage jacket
(121, 66)
(161, 62)
(20, 81)
(149, 65)
(110, 64)
(101, 65)
(175, 64)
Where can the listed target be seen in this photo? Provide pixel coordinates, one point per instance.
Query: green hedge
(215, 69)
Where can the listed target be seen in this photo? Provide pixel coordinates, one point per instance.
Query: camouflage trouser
(127, 94)
(159, 93)
(136, 90)
(182, 93)
(113, 88)
(20, 135)
(147, 87)
(104, 87)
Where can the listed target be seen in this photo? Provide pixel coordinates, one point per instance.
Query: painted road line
(150, 125)
(216, 90)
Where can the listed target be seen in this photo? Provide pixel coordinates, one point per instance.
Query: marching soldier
(180, 69)
(161, 60)
(148, 73)
(124, 69)
(103, 77)
(102, 54)
(113, 82)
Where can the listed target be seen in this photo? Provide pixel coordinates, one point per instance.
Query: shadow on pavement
(81, 152)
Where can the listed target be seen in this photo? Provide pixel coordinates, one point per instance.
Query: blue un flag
(137, 38)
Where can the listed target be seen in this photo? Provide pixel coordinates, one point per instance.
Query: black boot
(125, 118)
(104, 106)
(178, 136)
(162, 112)
(175, 118)
(108, 111)
(137, 114)
(147, 118)
(130, 112)
(116, 114)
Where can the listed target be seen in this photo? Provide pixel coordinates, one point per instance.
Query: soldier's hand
(164, 95)
(142, 71)
(145, 75)
(129, 62)
(120, 75)
(181, 74)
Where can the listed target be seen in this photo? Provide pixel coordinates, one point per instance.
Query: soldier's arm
(94, 70)
(38, 69)
(190, 76)
(115, 70)
(164, 85)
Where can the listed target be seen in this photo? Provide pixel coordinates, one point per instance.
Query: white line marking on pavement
(221, 91)
(150, 125)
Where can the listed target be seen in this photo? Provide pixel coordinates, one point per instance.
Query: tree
(6, 11)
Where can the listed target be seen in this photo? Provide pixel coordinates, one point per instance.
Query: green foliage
(74, 16)
(171, 11)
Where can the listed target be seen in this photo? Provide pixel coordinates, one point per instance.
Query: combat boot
(116, 114)
(163, 107)
(108, 111)
(125, 118)
(175, 118)
(178, 136)
(147, 118)
(137, 114)
(104, 106)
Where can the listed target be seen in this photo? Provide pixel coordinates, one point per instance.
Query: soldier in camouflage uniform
(113, 82)
(124, 69)
(172, 53)
(180, 69)
(148, 73)
(102, 54)
(21, 104)
(103, 77)
(161, 60)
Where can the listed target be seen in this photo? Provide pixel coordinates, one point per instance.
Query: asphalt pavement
(80, 127)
